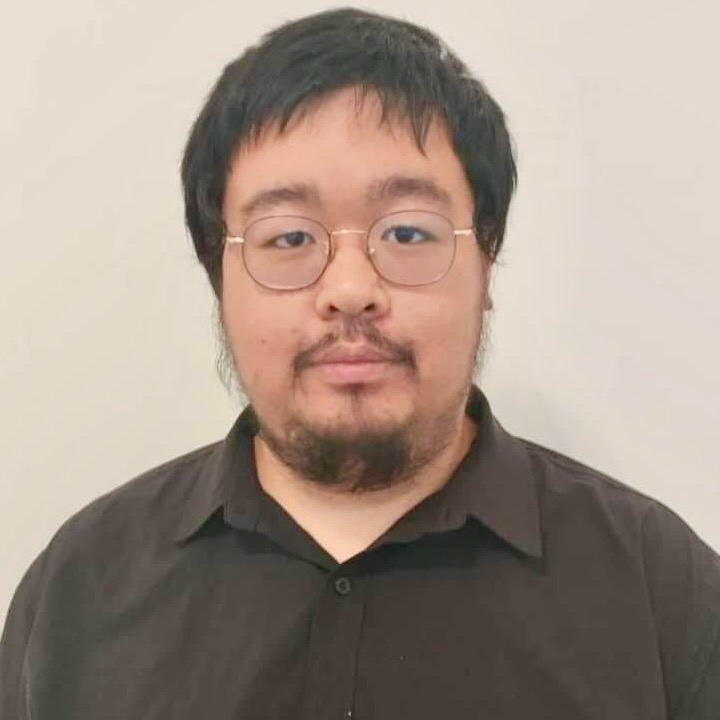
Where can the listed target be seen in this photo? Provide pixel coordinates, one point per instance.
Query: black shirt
(529, 587)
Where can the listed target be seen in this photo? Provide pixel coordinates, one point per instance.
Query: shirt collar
(228, 483)
(500, 479)
(494, 483)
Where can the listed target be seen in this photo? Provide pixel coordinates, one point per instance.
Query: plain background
(606, 330)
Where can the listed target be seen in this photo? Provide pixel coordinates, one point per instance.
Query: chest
(450, 636)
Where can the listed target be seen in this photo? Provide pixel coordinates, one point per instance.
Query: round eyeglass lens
(412, 248)
(285, 253)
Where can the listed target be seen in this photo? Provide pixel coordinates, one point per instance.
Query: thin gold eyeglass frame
(369, 251)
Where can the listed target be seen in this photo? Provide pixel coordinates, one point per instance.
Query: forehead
(342, 147)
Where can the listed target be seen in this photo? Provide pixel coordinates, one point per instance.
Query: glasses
(406, 248)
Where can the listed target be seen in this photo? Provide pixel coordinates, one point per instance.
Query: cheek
(257, 350)
(263, 332)
(452, 322)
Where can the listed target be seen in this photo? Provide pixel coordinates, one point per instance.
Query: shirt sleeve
(14, 644)
(683, 575)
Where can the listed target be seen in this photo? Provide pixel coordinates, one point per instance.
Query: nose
(350, 284)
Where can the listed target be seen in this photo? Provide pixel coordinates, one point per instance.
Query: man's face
(407, 407)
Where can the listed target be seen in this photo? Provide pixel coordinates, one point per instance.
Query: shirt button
(343, 586)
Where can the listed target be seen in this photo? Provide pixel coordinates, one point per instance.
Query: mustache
(353, 331)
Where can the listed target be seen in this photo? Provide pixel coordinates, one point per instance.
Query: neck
(346, 523)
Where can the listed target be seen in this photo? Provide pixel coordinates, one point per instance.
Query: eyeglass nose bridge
(349, 231)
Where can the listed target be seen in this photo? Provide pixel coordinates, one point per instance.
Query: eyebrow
(398, 187)
(393, 187)
(265, 200)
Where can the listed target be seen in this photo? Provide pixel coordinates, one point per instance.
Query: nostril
(370, 307)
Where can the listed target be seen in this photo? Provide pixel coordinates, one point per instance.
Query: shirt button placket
(333, 650)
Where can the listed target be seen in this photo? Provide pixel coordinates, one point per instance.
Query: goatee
(367, 457)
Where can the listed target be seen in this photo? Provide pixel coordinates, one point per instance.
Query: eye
(407, 235)
(290, 240)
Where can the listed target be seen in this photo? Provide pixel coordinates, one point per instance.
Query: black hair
(415, 76)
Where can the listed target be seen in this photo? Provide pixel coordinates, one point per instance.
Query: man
(367, 542)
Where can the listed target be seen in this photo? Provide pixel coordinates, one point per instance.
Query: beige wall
(607, 323)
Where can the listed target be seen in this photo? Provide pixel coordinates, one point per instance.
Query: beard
(368, 457)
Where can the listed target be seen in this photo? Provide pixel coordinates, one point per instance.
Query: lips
(353, 365)
(345, 355)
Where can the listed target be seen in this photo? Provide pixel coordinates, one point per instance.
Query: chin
(357, 417)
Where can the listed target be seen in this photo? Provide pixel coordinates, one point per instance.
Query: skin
(341, 148)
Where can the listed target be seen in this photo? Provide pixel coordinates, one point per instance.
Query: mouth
(346, 372)
(355, 363)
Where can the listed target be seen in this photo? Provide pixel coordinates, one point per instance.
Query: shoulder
(566, 485)
(107, 549)
(608, 519)
(143, 511)
(114, 537)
